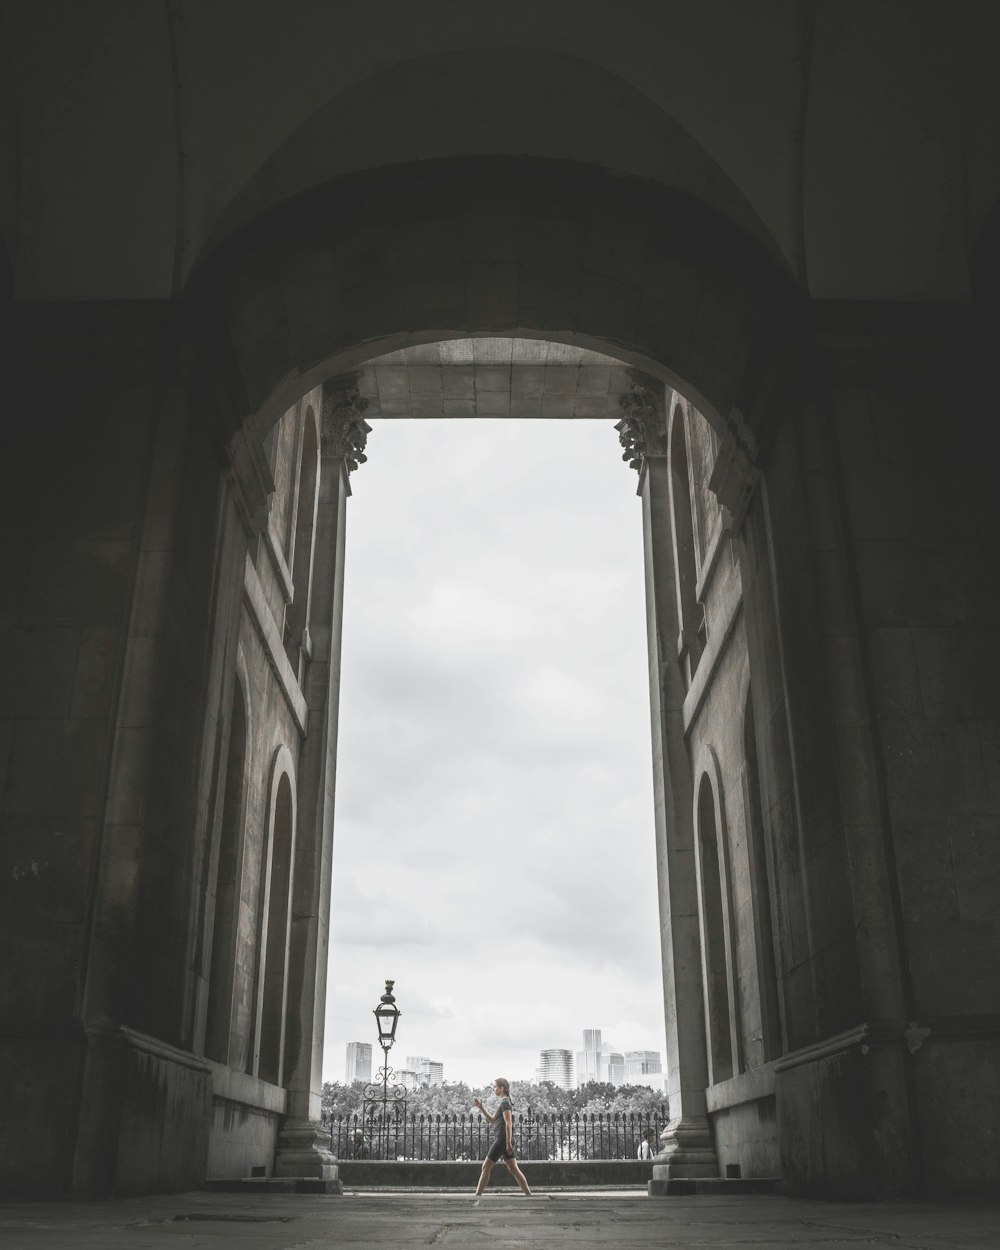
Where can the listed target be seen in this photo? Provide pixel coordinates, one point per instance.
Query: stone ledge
(715, 1185)
(276, 1185)
(230, 1085)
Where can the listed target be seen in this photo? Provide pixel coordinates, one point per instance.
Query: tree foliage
(455, 1098)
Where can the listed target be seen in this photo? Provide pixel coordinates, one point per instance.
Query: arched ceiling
(858, 141)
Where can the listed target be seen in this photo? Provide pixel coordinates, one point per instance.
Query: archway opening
(494, 817)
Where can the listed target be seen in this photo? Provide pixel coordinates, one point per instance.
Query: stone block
(838, 985)
(959, 672)
(957, 1082)
(926, 872)
(55, 768)
(428, 404)
(865, 1148)
(152, 582)
(989, 743)
(492, 403)
(490, 233)
(45, 869)
(895, 677)
(40, 1079)
(316, 316)
(883, 500)
(136, 704)
(491, 294)
(15, 565)
(97, 500)
(856, 779)
(458, 382)
(42, 967)
(458, 408)
(119, 883)
(39, 664)
(549, 287)
(933, 769)
(847, 680)
(549, 244)
(853, 424)
(110, 417)
(975, 859)
(611, 306)
(881, 976)
(492, 378)
(431, 291)
(954, 966)
(613, 252)
(78, 583)
(902, 584)
(825, 525)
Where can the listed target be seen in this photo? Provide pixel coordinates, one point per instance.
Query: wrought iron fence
(603, 1135)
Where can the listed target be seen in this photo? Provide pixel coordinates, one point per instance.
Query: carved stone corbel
(733, 480)
(642, 430)
(344, 430)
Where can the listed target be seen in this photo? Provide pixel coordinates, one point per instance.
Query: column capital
(642, 431)
(343, 428)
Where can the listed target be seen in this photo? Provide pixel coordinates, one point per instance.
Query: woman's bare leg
(519, 1176)
(484, 1176)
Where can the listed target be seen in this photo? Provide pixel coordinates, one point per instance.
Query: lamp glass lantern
(387, 1017)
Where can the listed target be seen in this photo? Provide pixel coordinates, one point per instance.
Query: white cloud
(494, 836)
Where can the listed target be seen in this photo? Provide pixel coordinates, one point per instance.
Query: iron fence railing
(602, 1135)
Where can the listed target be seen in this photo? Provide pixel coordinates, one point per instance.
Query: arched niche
(716, 924)
(276, 887)
(297, 641)
(761, 894)
(691, 641)
(229, 871)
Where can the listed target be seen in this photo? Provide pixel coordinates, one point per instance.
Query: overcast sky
(494, 847)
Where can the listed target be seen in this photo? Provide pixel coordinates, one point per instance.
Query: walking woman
(503, 1142)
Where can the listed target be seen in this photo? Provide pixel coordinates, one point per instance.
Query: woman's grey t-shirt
(500, 1129)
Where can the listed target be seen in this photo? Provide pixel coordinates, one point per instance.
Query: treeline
(455, 1098)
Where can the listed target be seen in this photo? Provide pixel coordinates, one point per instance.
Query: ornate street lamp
(383, 1111)
(387, 1017)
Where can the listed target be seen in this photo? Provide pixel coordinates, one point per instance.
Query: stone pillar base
(687, 1152)
(303, 1151)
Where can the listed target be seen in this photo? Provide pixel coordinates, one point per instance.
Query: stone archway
(387, 288)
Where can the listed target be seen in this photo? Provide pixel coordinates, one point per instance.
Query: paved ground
(501, 1222)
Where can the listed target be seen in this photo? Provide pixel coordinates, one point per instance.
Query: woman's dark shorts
(498, 1151)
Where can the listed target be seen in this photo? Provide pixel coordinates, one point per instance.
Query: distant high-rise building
(428, 1071)
(588, 1060)
(643, 1067)
(616, 1068)
(359, 1062)
(556, 1066)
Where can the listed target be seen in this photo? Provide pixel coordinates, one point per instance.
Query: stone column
(687, 1147)
(303, 1146)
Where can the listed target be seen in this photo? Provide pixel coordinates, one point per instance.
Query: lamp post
(383, 1111)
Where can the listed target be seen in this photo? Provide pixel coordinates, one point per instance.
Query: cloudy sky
(494, 830)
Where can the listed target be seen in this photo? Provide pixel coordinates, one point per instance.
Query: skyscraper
(428, 1071)
(643, 1067)
(358, 1066)
(556, 1066)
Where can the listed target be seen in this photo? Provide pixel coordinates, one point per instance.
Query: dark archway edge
(501, 246)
